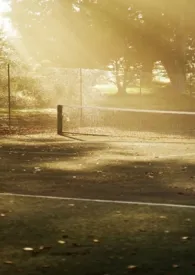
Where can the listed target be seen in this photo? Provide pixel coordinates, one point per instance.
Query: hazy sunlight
(4, 6)
(5, 23)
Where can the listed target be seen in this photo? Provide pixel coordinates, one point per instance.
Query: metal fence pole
(9, 96)
(81, 97)
(140, 83)
(59, 120)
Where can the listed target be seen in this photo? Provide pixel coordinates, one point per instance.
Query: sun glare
(4, 6)
(5, 23)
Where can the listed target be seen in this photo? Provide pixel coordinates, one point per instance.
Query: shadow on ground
(99, 171)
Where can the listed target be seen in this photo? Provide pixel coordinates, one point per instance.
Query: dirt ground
(157, 171)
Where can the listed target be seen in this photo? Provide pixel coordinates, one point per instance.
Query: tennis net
(105, 121)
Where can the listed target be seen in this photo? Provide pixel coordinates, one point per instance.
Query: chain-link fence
(34, 96)
(36, 93)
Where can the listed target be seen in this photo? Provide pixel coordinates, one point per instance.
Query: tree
(93, 30)
(4, 60)
(154, 28)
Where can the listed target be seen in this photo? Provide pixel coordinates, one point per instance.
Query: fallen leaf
(185, 238)
(8, 262)
(175, 265)
(2, 215)
(37, 168)
(28, 249)
(163, 217)
(132, 267)
(61, 242)
(96, 241)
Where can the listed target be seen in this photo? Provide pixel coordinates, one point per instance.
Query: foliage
(97, 33)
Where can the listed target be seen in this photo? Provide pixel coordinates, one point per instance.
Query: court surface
(96, 205)
(104, 168)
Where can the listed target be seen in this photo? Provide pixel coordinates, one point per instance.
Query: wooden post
(59, 120)
(9, 96)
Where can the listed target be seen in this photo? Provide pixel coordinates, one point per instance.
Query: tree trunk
(121, 85)
(176, 74)
(148, 66)
(121, 91)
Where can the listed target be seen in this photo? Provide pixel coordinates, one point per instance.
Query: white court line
(99, 200)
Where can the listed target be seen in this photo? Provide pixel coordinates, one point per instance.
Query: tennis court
(99, 168)
(49, 236)
(99, 235)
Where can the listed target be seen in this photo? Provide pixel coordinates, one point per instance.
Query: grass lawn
(148, 99)
(111, 89)
(92, 238)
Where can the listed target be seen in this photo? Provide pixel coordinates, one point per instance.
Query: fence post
(9, 96)
(59, 120)
(140, 83)
(81, 96)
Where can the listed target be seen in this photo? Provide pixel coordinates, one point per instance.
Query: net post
(59, 120)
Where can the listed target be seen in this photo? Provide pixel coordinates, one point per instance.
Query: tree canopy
(93, 33)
